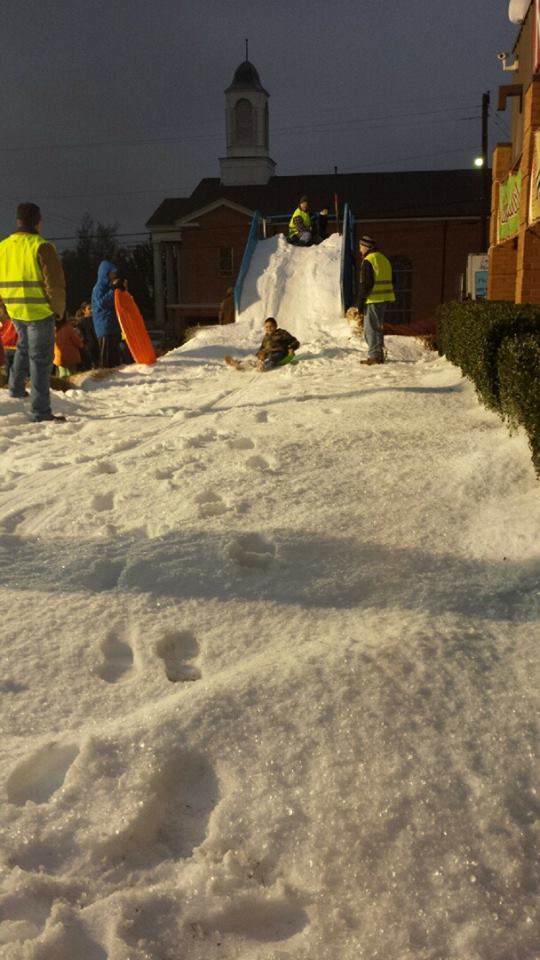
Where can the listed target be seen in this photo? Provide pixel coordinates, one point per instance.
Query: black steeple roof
(246, 77)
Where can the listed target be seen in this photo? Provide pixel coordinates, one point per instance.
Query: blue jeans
(373, 328)
(273, 359)
(35, 351)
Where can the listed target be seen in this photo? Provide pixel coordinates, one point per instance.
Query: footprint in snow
(178, 652)
(102, 502)
(240, 443)
(252, 550)
(257, 463)
(104, 573)
(210, 504)
(257, 917)
(105, 466)
(117, 661)
(42, 774)
(164, 473)
(12, 521)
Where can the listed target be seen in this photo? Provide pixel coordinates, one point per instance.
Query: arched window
(243, 123)
(401, 310)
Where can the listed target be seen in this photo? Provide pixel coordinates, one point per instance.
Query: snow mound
(298, 286)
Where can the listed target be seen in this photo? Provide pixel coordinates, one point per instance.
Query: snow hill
(269, 675)
(298, 287)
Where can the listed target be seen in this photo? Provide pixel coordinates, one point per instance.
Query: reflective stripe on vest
(21, 280)
(293, 229)
(383, 288)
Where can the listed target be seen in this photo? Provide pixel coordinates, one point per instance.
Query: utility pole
(486, 183)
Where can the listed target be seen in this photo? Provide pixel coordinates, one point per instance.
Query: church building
(426, 222)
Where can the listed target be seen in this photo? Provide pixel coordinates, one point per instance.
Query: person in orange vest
(375, 292)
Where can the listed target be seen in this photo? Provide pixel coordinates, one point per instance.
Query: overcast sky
(108, 107)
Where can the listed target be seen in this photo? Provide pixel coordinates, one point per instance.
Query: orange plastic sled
(133, 328)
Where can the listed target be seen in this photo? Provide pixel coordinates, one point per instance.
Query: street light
(479, 161)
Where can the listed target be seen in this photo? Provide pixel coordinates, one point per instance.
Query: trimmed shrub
(471, 333)
(497, 346)
(518, 372)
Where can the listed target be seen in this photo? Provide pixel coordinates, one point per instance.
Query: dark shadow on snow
(279, 568)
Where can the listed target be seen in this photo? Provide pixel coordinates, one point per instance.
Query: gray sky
(110, 107)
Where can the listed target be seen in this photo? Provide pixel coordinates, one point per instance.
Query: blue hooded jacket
(103, 312)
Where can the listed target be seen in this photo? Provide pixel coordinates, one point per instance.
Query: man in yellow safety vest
(32, 293)
(301, 228)
(376, 291)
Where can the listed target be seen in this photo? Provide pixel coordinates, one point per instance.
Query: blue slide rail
(253, 237)
(348, 261)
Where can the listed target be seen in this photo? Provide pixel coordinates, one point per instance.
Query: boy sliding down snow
(277, 344)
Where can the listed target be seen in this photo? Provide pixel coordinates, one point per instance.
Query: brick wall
(438, 253)
(437, 250)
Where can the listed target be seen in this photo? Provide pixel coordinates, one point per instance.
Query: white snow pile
(269, 661)
(299, 287)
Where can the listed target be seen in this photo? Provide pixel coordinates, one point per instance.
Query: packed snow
(270, 657)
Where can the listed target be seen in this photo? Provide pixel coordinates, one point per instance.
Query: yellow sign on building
(509, 201)
(534, 211)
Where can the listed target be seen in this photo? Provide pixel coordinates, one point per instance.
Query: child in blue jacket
(104, 316)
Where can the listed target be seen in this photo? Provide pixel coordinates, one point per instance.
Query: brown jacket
(53, 278)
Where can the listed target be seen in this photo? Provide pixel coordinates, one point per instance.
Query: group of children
(76, 346)
(75, 343)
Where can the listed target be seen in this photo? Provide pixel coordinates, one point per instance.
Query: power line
(152, 141)
(95, 236)
(421, 156)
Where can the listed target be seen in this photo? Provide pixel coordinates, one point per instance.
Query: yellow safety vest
(383, 288)
(21, 279)
(293, 229)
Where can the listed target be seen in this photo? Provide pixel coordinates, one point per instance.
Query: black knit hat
(368, 242)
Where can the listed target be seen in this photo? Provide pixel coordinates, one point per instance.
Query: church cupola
(246, 124)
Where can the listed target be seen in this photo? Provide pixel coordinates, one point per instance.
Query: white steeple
(246, 124)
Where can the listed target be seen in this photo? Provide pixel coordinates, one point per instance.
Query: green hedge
(497, 346)
(470, 335)
(519, 386)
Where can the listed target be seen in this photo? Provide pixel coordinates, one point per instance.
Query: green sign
(509, 201)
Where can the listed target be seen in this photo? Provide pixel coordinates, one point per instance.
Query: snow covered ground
(269, 661)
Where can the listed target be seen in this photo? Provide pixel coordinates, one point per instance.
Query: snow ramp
(299, 286)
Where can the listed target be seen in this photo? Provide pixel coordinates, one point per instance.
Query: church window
(226, 261)
(244, 123)
(401, 310)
